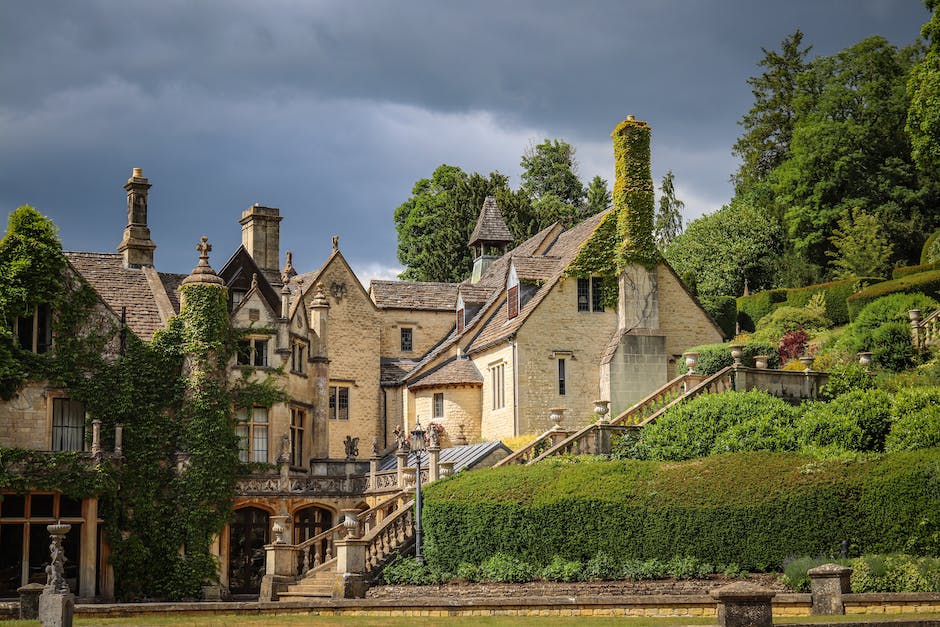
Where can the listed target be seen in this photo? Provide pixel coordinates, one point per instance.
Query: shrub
(846, 378)
(750, 509)
(560, 569)
(683, 567)
(891, 346)
(795, 571)
(714, 357)
(601, 567)
(893, 573)
(916, 420)
(774, 325)
(755, 306)
(468, 571)
(643, 570)
(893, 308)
(724, 310)
(930, 252)
(792, 345)
(855, 421)
(695, 428)
(924, 282)
(835, 294)
(903, 271)
(407, 571)
(504, 568)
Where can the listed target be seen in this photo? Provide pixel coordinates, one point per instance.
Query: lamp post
(418, 447)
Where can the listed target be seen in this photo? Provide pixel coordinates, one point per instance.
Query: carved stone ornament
(337, 291)
(284, 452)
(55, 571)
(352, 447)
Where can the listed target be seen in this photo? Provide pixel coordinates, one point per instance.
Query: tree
(597, 197)
(923, 115)
(668, 222)
(861, 247)
(550, 168)
(717, 252)
(768, 126)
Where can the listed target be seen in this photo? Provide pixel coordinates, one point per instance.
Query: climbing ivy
(597, 257)
(633, 194)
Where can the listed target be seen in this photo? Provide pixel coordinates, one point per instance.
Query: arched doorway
(312, 521)
(248, 533)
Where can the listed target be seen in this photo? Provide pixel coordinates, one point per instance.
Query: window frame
(299, 351)
(298, 419)
(257, 346)
(437, 405)
(335, 405)
(71, 430)
(407, 339)
(562, 377)
(247, 449)
(590, 294)
(35, 325)
(498, 385)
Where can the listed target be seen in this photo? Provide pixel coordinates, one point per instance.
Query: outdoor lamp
(417, 438)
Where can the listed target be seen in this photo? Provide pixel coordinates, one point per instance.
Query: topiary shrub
(892, 347)
(892, 308)
(931, 250)
(924, 283)
(855, 421)
(755, 306)
(774, 325)
(846, 378)
(916, 420)
(904, 271)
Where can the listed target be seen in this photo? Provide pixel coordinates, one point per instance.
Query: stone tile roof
(490, 225)
(171, 283)
(535, 268)
(120, 287)
(393, 369)
(414, 295)
(454, 371)
(475, 293)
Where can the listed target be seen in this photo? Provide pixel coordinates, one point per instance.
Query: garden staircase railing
(930, 329)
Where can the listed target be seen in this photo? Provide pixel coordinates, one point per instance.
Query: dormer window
(461, 314)
(512, 293)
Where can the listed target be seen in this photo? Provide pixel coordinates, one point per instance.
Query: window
(298, 416)
(406, 340)
(34, 330)
(339, 402)
(591, 294)
(253, 352)
(561, 377)
(298, 357)
(68, 425)
(512, 299)
(460, 320)
(438, 405)
(498, 384)
(251, 427)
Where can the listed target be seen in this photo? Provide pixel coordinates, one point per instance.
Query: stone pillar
(350, 580)
(402, 457)
(434, 460)
(447, 469)
(29, 600)
(280, 570)
(602, 439)
(916, 331)
(373, 471)
(827, 584)
(743, 604)
(96, 439)
(119, 440)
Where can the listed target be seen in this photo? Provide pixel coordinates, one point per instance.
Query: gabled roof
(122, 287)
(237, 273)
(533, 268)
(490, 228)
(454, 371)
(475, 293)
(414, 295)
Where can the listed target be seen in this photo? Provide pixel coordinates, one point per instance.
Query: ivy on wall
(633, 194)
(598, 257)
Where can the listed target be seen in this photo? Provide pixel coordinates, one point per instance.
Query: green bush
(846, 378)
(701, 426)
(560, 569)
(903, 271)
(892, 308)
(892, 347)
(929, 252)
(925, 283)
(855, 421)
(407, 571)
(796, 569)
(601, 567)
(467, 571)
(504, 568)
(714, 357)
(755, 306)
(774, 325)
(894, 573)
(749, 509)
(916, 420)
(724, 310)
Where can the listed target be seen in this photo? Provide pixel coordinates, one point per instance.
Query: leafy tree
(861, 247)
(668, 223)
(435, 223)
(717, 252)
(597, 197)
(768, 126)
(550, 168)
(923, 115)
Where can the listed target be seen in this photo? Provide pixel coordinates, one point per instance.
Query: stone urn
(278, 528)
(865, 359)
(691, 361)
(807, 362)
(760, 361)
(557, 415)
(914, 316)
(409, 477)
(601, 408)
(350, 522)
(737, 351)
(447, 469)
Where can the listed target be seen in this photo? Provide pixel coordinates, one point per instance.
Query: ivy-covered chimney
(633, 194)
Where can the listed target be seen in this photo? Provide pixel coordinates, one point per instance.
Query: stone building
(484, 360)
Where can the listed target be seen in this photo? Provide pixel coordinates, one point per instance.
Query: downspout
(515, 387)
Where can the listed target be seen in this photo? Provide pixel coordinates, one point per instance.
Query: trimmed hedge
(724, 310)
(925, 282)
(903, 271)
(925, 251)
(751, 509)
(754, 307)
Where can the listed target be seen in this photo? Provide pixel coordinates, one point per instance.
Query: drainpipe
(515, 387)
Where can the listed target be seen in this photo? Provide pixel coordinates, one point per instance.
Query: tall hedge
(903, 271)
(754, 307)
(752, 509)
(925, 282)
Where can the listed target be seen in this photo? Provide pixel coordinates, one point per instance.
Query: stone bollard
(29, 600)
(743, 604)
(827, 584)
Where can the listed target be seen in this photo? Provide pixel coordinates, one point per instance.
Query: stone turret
(490, 238)
(202, 274)
(136, 245)
(261, 237)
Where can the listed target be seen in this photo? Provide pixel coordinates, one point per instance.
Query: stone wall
(637, 368)
(461, 407)
(496, 423)
(683, 322)
(428, 327)
(27, 419)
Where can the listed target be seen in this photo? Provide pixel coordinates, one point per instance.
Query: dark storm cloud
(332, 110)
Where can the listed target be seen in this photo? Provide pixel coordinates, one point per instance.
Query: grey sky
(332, 110)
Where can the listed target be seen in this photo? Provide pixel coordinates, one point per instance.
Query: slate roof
(125, 287)
(490, 225)
(454, 371)
(464, 457)
(535, 268)
(414, 295)
(475, 293)
(393, 369)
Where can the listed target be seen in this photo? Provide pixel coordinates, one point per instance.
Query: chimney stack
(261, 237)
(136, 245)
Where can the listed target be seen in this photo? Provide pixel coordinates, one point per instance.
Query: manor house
(484, 359)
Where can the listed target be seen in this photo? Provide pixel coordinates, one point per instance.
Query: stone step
(294, 596)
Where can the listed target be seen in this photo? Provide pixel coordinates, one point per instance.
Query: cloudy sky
(331, 110)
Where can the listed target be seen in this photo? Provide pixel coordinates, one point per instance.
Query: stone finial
(203, 272)
(287, 271)
(335, 243)
(319, 299)
(254, 280)
(375, 447)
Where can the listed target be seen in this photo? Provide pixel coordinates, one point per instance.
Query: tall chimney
(136, 245)
(633, 194)
(261, 237)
